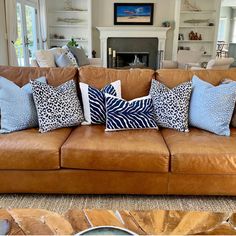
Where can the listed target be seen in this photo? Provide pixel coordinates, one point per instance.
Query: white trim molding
(130, 32)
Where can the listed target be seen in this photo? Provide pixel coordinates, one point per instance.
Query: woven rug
(61, 203)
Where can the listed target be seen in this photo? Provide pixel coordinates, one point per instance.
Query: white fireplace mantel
(130, 32)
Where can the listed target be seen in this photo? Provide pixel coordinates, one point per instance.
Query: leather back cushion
(134, 83)
(22, 75)
(171, 78)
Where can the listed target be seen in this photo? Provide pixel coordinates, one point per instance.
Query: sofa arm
(34, 63)
(95, 62)
(167, 64)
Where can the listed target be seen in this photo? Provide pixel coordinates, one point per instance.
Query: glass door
(28, 36)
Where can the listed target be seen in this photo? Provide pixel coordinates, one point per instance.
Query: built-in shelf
(64, 30)
(198, 12)
(69, 26)
(206, 55)
(65, 40)
(209, 13)
(196, 41)
(197, 26)
(65, 11)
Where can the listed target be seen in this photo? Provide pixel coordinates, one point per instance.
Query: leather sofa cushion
(137, 150)
(22, 75)
(30, 150)
(201, 152)
(172, 78)
(134, 83)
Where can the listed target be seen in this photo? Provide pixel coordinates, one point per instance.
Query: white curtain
(43, 22)
(11, 23)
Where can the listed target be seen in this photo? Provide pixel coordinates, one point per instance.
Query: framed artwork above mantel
(133, 13)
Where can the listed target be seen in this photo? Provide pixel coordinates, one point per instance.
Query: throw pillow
(17, 106)
(134, 114)
(94, 101)
(57, 107)
(233, 121)
(45, 58)
(80, 56)
(211, 107)
(70, 55)
(63, 61)
(171, 106)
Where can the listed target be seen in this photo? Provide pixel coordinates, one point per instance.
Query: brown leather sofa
(87, 160)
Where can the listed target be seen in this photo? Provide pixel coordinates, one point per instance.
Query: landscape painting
(133, 13)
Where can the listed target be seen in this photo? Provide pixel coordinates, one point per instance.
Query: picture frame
(133, 13)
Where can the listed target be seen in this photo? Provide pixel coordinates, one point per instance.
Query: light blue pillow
(211, 107)
(18, 111)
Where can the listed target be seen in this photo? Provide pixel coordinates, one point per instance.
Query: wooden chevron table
(39, 221)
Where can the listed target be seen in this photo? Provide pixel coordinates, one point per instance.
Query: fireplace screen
(133, 52)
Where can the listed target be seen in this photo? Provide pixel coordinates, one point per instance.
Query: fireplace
(155, 35)
(133, 52)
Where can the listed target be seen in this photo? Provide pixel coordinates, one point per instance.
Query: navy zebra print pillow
(135, 114)
(94, 101)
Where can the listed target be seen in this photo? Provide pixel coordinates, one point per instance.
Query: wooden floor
(39, 221)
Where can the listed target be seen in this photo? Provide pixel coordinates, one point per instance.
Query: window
(222, 29)
(27, 22)
(234, 31)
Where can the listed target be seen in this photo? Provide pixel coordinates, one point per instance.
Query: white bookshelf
(60, 32)
(209, 11)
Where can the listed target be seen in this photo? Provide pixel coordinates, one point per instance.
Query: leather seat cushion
(31, 150)
(201, 152)
(90, 147)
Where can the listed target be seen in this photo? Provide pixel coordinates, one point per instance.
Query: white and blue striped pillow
(134, 114)
(94, 101)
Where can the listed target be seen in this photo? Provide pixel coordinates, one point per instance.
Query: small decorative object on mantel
(109, 57)
(114, 59)
(166, 24)
(190, 7)
(194, 36)
(133, 13)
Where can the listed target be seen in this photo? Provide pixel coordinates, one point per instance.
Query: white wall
(103, 16)
(3, 41)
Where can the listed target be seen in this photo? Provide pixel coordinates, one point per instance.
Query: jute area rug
(61, 203)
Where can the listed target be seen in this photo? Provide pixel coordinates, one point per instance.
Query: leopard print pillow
(171, 106)
(57, 107)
